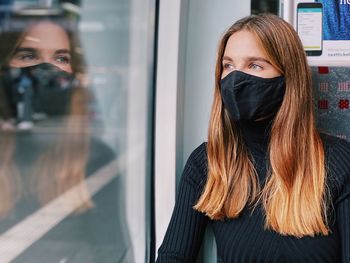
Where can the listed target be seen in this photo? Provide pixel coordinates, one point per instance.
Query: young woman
(273, 188)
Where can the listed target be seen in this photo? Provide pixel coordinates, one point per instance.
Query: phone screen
(310, 27)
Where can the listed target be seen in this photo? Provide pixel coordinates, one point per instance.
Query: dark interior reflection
(47, 147)
(264, 6)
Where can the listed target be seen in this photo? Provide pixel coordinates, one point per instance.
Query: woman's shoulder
(198, 157)
(196, 168)
(100, 154)
(337, 151)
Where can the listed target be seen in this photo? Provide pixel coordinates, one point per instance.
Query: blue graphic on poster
(336, 19)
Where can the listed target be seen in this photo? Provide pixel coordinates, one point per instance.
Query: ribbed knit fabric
(244, 239)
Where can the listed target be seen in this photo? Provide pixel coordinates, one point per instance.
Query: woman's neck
(255, 132)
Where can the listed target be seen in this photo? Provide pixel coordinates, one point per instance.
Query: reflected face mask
(248, 97)
(52, 87)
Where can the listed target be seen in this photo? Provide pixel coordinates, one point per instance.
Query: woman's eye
(63, 59)
(228, 66)
(256, 67)
(26, 56)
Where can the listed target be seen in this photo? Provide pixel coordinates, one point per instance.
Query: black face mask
(51, 87)
(249, 97)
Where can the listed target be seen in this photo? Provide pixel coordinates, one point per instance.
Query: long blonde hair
(295, 196)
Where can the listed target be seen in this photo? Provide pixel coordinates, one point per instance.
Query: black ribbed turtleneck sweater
(244, 239)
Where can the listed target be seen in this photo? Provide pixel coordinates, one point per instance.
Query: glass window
(76, 130)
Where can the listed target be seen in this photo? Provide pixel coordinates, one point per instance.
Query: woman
(271, 186)
(54, 162)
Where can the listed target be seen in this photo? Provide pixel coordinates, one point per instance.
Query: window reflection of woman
(38, 166)
(62, 164)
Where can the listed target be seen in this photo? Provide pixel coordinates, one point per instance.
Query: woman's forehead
(45, 35)
(243, 44)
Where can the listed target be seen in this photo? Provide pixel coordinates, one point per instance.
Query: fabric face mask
(52, 87)
(249, 97)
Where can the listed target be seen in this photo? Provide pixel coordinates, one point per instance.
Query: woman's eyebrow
(258, 59)
(249, 59)
(62, 51)
(227, 58)
(25, 49)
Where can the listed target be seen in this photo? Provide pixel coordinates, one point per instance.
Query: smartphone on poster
(310, 27)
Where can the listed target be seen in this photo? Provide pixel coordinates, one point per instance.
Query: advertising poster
(324, 28)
